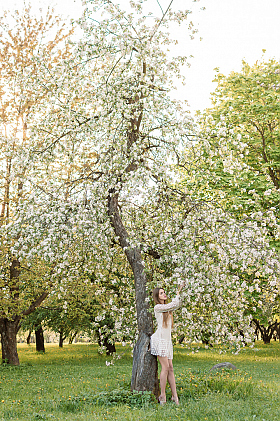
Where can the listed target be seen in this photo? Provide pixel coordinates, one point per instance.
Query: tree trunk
(61, 339)
(72, 337)
(28, 337)
(145, 369)
(39, 334)
(266, 332)
(110, 348)
(278, 331)
(9, 330)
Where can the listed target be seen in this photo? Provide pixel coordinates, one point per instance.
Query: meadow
(74, 383)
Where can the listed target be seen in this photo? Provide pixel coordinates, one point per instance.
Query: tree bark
(9, 327)
(61, 339)
(39, 335)
(28, 339)
(277, 329)
(145, 369)
(9, 330)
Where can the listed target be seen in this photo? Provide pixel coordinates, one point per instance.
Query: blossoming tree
(21, 104)
(236, 161)
(105, 165)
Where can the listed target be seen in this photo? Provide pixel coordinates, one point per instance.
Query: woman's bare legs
(163, 377)
(171, 381)
(167, 373)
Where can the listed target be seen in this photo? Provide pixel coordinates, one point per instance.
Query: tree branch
(160, 21)
(35, 304)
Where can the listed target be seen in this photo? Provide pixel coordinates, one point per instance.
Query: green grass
(74, 383)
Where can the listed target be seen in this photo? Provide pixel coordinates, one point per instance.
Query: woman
(161, 344)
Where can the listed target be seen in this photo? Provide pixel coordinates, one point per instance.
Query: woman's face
(161, 295)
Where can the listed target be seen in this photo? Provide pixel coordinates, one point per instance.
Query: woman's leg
(171, 381)
(163, 377)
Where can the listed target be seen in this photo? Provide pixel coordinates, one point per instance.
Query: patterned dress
(161, 343)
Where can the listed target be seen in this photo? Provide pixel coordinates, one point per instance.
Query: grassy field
(74, 383)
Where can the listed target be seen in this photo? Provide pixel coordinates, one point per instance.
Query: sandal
(175, 400)
(161, 401)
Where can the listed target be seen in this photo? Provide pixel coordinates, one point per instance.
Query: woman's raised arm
(162, 308)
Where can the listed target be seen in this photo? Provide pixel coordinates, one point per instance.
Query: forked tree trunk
(145, 369)
(72, 337)
(9, 330)
(39, 335)
(266, 332)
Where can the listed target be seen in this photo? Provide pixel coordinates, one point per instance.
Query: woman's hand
(180, 288)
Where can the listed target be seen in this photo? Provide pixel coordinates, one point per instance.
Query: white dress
(161, 343)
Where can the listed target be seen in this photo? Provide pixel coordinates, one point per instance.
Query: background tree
(245, 167)
(34, 322)
(236, 160)
(22, 285)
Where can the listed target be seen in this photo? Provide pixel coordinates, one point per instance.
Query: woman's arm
(175, 303)
(162, 308)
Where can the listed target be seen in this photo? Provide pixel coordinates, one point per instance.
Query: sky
(231, 30)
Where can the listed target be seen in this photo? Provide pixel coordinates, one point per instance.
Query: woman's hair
(165, 314)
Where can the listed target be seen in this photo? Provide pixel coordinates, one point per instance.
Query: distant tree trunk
(39, 335)
(104, 338)
(265, 332)
(145, 369)
(110, 347)
(105, 341)
(61, 339)
(9, 329)
(205, 338)
(28, 337)
(277, 329)
(72, 337)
